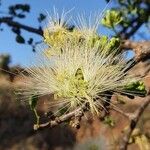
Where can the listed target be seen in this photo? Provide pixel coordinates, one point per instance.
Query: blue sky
(22, 54)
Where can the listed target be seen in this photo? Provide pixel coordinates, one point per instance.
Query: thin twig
(134, 120)
(9, 21)
(60, 119)
(127, 115)
(141, 49)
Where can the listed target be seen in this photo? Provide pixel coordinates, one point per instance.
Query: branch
(126, 115)
(134, 30)
(126, 35)
(134, 120)
(123, 33)
(62, 118)
(141, 49)
(10, 22)
(139, 21)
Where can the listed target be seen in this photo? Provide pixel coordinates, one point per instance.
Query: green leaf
(20, 39)
(41, 17)
(30, 41)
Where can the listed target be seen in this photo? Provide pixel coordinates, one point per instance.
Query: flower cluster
(78, 67)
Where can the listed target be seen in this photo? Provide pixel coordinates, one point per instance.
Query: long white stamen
(79, 72)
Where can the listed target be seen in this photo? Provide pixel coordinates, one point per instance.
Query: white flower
(57, 21)
(79, 73)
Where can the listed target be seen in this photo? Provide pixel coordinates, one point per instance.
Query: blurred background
(21, 29)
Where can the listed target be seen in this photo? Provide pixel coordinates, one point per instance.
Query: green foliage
(41, 17)
(20, 39)
(137, 86)
(112, 18)
(103, 40)
(33, 102)
(18, 10)
(113, 44)
(129, 15)
(108, 45)
(109, 121)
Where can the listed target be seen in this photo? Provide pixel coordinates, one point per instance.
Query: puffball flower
(79, 73)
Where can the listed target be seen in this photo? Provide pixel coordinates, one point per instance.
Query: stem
(134, 120)
(37, 117)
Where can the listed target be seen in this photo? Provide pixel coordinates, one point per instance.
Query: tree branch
(138, 21)
(9, 21)
(134, 120)
(61, 119)
(123, 33)
(141, 49)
